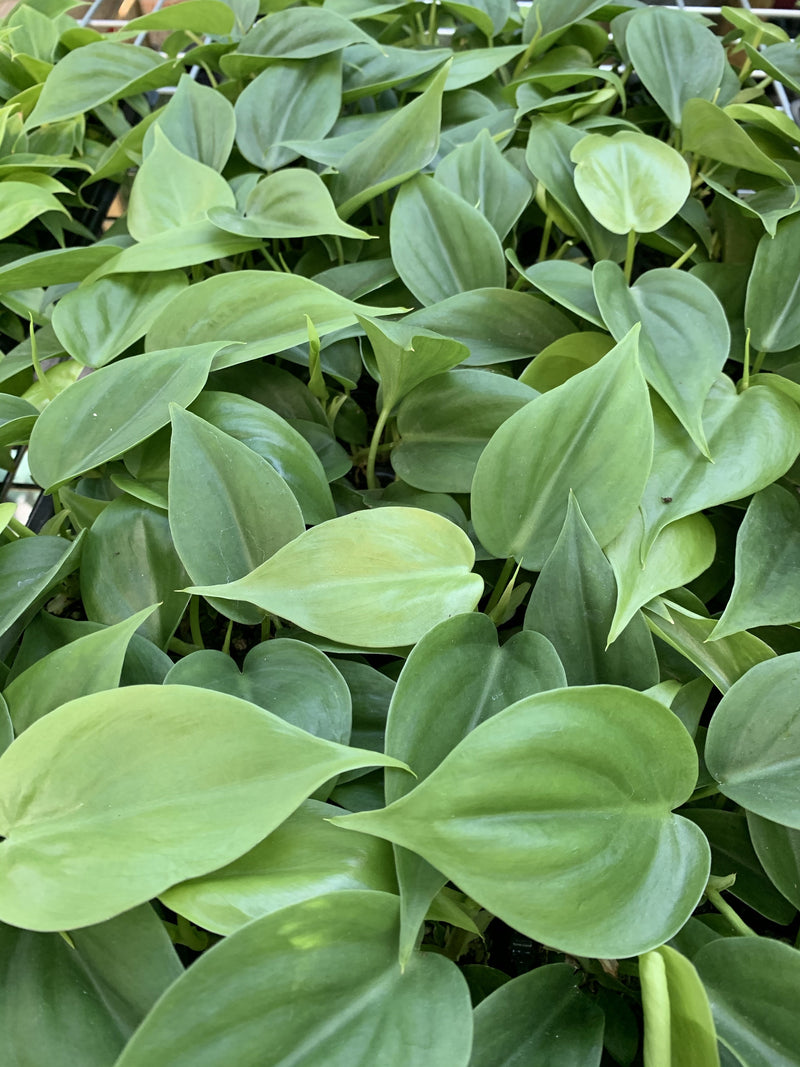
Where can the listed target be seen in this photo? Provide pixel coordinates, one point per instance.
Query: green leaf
(291, 679)
(526, 846)
(446, 423)
(199, 16)
(441, 245)
(99, 986)
(368, 71)
(240, 999)
(675, 57)
(405, 361)
(103, 415)
(573, 604)
(684, 340)
(732, 853)
(496, 325)
(480, 174)
(752, 985)
(373, 578)
(291, 203)
(548, 155)
(302, 33)
(772, 310)
(755, 758)
(428, 716)
(540, 1017)
(96, 74)
(630, 181)
(398, 149)
(264, 309)
(160, 198)
(680, 552)
(130, 835)
(678, 1026)
(129, 563)
(547, 20)
(289, 100)
(476, 64)
(29, 568)
(683, 482)
(523, 478)
(185, 246)
(304, 857)
(711, 133)
(272, 438)
(566, 282)
(95, 323)
(198, 122)
(211, 475)
(88, 665)
(765, 591)
(54, 268)
(778, 849)
(22, 202)
(779, 61)
(565, 358)
(724, 661)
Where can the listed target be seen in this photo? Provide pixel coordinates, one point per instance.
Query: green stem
(746, 371)
(372, 482)
(629, 250)
(432, 23)
(46, 383)
(182, 648)
(19, 528)
(337, 241)
(759, 362)
(226, 644)
(682, 259)
(548, 229)
(194, 621)
(727, 911)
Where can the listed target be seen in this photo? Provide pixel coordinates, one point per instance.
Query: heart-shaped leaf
(771, 310)
(82, 845)
(602, 764)
(397, 572)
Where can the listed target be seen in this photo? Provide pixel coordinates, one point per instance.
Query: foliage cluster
(409, 674)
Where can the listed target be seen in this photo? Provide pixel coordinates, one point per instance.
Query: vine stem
(629, 250)
(715, 898)
(372, 482)
(194, 621)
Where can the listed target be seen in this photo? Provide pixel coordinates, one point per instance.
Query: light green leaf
(675, 57)
(756, 758)
(185, 246)
(772, 309)
(526, 846)
(291, 203)
(397, 572)
(565, 358)
(21, 202)
(683, 482)
(547, 20)
(103, 415)
(630, 181)
(679, 554)
(724, 661)
(564, 281)
(271, 437)
(88, 665)
(80, 846)
(765, 591)
(441, 245)
(198, 122)
(497, 325)
(678, 1026)
(289, 100)
(540, 1017)
(95, 323)
(264, 309)
(428, 716)
(304, 857)
(96, 74)
(29, 568)
(684, 340)
(573, 603)
(302, 33)
(368, 71)
(130, 563)
(753, 984)
(397, 150)
(476, 64)
(524, 476)
(711, 133)
(291, 679)
(446, 423)
(240, 999)
(54, 268)
(199, 16)
(172, 190)
(229, 509)
(405, 361)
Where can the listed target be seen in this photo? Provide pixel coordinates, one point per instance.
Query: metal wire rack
(16, 483)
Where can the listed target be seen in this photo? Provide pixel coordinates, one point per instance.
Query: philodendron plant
(409, 674)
